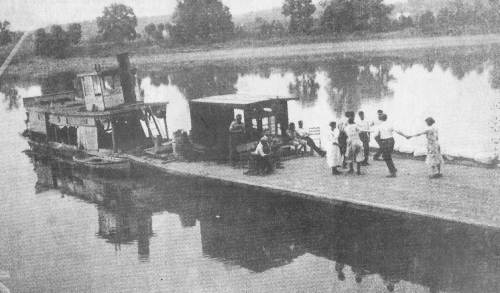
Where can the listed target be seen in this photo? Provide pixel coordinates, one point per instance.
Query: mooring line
(13, 53)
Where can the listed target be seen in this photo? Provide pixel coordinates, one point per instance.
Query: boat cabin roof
(78, 110)
(104, 72)
(240, 99)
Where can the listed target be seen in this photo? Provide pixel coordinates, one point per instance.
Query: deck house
(212, 116)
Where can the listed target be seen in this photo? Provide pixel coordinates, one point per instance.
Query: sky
(32, 14)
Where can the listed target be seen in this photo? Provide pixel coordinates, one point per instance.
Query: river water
(62, 230)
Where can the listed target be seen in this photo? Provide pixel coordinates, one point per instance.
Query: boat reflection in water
(263, 233)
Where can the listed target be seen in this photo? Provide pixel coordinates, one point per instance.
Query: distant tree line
(210, 21)
(56, 42)
(461, 16)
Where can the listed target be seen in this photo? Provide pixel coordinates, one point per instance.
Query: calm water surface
(462, 92)
(62, 230)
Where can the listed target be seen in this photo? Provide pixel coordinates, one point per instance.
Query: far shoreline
(409, 48)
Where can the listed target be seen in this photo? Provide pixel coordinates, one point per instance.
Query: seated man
(304, 136)
(267, 155)
(295, 138)
(263, 156)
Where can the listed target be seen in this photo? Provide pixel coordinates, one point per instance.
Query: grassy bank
(154, 56)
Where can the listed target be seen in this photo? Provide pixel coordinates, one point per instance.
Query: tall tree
(356, 15)
(202, 21)
(59, 41)
(301, 15)
(427, 22)
(117, 23)
(75, 33)
(5, 33)
(338, 16)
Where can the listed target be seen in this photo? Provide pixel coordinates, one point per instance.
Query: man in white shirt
(304, 135)
(377, 155)
(386, 132)
(364, 135)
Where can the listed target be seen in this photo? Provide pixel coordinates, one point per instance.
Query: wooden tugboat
(104, 116)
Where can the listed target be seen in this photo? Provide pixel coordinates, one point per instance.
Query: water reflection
(201, 82)
(304, 87)
(453, 88)
(11, 97)
(265, 233)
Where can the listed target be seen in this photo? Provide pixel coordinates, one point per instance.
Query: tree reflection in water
(11, 97)
(58, 82)
(305, 88)
(260, 232)
(203, 81)
(350, 82)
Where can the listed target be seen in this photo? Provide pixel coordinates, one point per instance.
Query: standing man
(304, 135)
(364, 135)
(236, 135)
(376, 157)
(386, 133)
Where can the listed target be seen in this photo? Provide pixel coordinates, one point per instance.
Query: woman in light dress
(434, 158)
(334, 158)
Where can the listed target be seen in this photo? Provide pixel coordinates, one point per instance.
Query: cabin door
(92, 93)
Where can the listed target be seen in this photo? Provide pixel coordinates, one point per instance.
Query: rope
(13, 53)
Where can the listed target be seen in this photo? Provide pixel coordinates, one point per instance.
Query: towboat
(104, 115)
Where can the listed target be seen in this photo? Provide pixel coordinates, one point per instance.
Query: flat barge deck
(468, 195)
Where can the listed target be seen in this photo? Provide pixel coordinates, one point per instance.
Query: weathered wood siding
(36, 122)
(87, 138)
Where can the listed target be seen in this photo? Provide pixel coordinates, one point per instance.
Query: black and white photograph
(250, 146)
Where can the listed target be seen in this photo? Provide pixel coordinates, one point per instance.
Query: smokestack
(126, 78)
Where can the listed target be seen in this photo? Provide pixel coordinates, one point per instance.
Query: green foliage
(403, 22)
(355, 15)
(301, 15)
(427, 22)
(154, 32)
(201, 21)
(117, 23)
(338, 17)
(5, 33)
(267, 29)
(75, 33)
(53, 44)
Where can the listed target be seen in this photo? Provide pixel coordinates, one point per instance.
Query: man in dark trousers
(364, 135)
(377, 155)
(386, 133)
(236, 136)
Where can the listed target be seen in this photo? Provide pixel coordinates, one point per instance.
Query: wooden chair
(244, 152)
(315, 135)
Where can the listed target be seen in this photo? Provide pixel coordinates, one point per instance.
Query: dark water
(63, 230)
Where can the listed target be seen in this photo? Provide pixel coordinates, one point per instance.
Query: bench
(315, 135)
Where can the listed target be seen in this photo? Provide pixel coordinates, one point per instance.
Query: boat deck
(466, 194)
